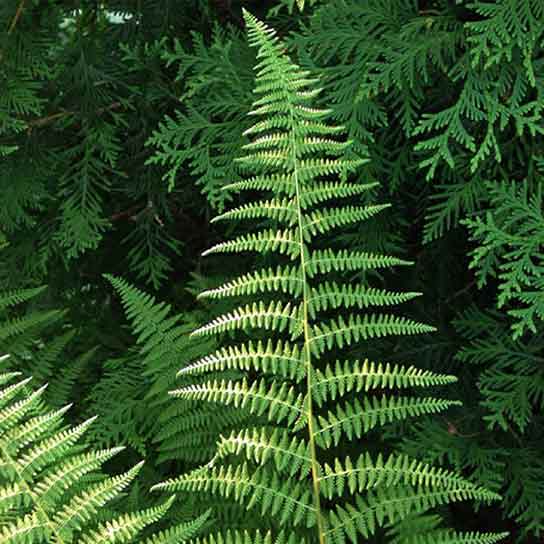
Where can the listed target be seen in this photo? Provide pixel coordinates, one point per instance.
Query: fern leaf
(343, 333)
(331, 295)
(323, 222)
(180, 533)
(348, 377)
(46, 477)
(275, 316)
(325, 261)
(366, 473)
(327, 191)
(278, 210)
(274, 464)
(284, 242)
(287, 500)
(286, 279)
(289, 454)
(280, 402)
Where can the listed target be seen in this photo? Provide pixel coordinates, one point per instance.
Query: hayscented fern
(308, 406)
(51, 486)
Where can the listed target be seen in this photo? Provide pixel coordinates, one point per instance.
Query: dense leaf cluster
(299, 271)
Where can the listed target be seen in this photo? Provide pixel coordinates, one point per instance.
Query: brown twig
(461, 291)
(452, 429)
(43, 121)
(126, 213)
(16, 17)
(429, 12)
(14, 21)
(46, 120)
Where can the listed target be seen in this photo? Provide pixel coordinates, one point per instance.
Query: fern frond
(340, 332)
(282, 211)
(254, 537)
(283, 278)
(326, 191)
(287, 500)
(274, 316)
(71, 471)
(275, 464)
(12, 298)
(366, 473)
(180, 533)
(52, 488)
(172, 432)
(326, 261)
(21, 325)
(127, 526)
(331, 295)
(320, 222)
(147, 315)
(390, 505)
(284, 242)
(289, 454)
(425, 529)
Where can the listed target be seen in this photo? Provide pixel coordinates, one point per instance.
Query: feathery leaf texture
(510, 239)
(177, 432)
(281, 465)
(51, 485)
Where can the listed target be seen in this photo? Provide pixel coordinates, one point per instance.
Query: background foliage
(119, 123)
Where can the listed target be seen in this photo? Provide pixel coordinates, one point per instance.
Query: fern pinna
(292, 467)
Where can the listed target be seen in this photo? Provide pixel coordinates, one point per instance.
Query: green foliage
(457, 89)
(23, 333)
(70, 115)
(52, 486)
(147, 419)
(509, 237)
(41, 505)
(21, 330)
(288, 469)
(438, 74)
(52, 489)
(509, 395)
(208, 131)
(120, 123)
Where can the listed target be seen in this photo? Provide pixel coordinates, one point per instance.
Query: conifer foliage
(292, 469)
(313, 399)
